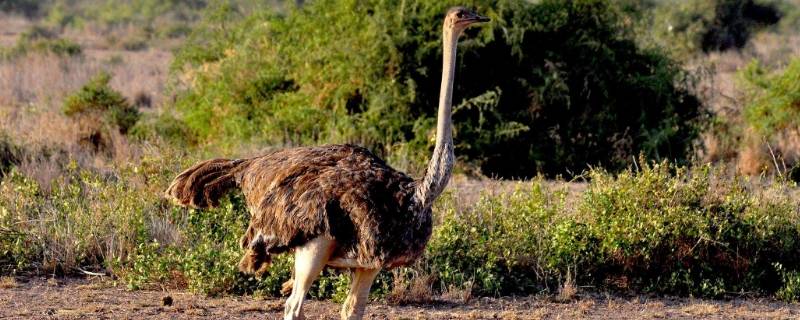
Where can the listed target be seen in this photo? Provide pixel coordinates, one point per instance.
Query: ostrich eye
(460, 14)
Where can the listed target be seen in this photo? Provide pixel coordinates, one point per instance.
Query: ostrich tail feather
(202, 185)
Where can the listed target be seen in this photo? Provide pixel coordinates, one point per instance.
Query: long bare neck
(441, 164)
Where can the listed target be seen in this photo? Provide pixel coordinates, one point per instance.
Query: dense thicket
(547, 87)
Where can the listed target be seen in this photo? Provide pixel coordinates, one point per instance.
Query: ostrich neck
(441, 164)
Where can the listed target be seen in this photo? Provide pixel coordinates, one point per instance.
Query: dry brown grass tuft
(419, 289)
(701, 309)
(8, 282)
(461, 294)
(568, 290)
(752, 159)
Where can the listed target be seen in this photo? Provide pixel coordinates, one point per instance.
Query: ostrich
(335, 205)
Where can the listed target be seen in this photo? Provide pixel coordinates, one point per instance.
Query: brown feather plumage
(294, 195)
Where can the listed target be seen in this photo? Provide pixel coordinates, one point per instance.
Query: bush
(662, 229)
(773, 98)
(538, 90)
(100, 109)
(43, 40)
(82, 225)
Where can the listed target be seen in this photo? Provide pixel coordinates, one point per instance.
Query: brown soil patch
(41, 298)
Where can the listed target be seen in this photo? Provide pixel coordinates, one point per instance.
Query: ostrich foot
(353, 308)
(309, 260)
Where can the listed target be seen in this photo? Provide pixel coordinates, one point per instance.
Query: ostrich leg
(353, 308)
(308, 263)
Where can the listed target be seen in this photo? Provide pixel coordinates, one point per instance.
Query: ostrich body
(335, 205)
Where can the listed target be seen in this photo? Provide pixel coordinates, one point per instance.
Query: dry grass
(43, 79)
(701, 309)
(418, 290)
(752, 159)
(34, 86)
(7, 282)
(461, 294)
(568, 290)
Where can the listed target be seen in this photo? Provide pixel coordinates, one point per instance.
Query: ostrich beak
(474, 17)
(480, 18)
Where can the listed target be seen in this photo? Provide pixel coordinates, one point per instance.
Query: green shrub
(100, 109)
(78, 224)
(790, 291)
(662, 229)
(538, 90)
(163, 126)
(485, 249)
(773, 104)
(43, 40)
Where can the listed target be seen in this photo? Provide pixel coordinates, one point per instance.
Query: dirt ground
(42, 298)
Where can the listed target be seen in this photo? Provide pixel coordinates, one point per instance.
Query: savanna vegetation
(684, 186)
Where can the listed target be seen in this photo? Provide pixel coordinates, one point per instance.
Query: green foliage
(42, 40)
(163, 126)
(662, 229)
(62, 13)
(484, 248)
(773, 103)
(790, 291)
(97, 100)
(73, 225)
(538, 90)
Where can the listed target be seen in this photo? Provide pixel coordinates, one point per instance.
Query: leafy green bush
(100, 109)
(483, 248)
(75, 225)
(790, 291)
(208, 257)
(773, 98)
(538, 90)
(662, 229)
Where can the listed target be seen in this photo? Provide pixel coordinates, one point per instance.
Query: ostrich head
(459, 18)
